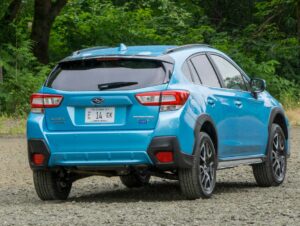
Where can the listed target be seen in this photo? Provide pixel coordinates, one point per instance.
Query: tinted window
(89, 74)
(231, 76)
(195, 76)
(205, 71)
(186, 71)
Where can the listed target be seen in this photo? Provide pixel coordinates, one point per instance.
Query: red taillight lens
(38, 159)
(149, 99)
(168, 100)
(164, 156)
(40, 101)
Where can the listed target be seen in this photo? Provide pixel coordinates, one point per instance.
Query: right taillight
(168, 100)
(40, 101)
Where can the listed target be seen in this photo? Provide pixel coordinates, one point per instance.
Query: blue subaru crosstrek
(175, 112)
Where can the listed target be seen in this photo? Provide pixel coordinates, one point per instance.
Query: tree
(224, 14)
(7, 18)
(45, 12)
(11, 12)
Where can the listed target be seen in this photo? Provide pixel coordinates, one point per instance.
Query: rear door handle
(211, 101)
(238, 103)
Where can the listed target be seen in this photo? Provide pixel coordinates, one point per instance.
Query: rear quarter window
(87, 75)
(205, 71)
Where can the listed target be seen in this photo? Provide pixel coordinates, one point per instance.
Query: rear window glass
(114, 74)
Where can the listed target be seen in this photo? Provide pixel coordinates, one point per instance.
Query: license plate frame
(99, 115)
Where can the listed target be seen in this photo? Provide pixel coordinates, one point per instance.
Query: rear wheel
(200, 180)
(272, 171)
(51, 185)
(135, 179)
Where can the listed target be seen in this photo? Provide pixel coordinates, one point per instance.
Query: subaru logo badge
(97, 100)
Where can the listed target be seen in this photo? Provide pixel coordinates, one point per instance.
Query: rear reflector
(40, 101)
(169, 100)
(164, 156)
(38, 159)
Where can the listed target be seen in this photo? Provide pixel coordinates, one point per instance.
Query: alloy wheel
(206, 166)
(278, 156)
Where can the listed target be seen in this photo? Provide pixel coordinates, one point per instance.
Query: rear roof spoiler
(163, 58)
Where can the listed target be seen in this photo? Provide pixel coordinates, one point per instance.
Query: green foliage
(261, 36)
(23, 76)
(287, 91)
(108, 25)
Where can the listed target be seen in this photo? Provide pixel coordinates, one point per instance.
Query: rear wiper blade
(113, 85)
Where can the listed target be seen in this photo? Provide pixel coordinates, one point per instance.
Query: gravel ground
(99, 200)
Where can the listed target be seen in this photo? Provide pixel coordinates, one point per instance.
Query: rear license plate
(100, 115)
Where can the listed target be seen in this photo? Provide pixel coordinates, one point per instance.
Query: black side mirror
(257, 86)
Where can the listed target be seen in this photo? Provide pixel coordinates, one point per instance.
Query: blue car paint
(242, 129)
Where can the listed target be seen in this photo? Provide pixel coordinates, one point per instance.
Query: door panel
(220, 105)
(243, 131)
(226, 116)
(254, 124)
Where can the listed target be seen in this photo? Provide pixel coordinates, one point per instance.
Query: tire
(272, 171)
(135, 180)
(51, 186)
(200, 180)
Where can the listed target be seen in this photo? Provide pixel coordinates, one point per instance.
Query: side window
(231, 76)
(186, 71)
(205, 71)
(195, 77)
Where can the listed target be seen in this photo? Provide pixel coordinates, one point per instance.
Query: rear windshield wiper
(113, 85)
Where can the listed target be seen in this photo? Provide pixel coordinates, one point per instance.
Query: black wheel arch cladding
(205, 123)
(278, 116)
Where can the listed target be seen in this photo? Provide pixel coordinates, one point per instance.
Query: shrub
(22, 76)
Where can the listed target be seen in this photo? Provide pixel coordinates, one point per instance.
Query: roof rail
(89, 49)
(185, 47)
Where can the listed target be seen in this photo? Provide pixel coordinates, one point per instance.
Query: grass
(11, 126)
(294, 116)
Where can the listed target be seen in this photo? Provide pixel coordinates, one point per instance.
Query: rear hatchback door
(99, 94)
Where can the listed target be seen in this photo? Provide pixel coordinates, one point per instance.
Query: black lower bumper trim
(164, 143)
(38, 146)
(169, 143)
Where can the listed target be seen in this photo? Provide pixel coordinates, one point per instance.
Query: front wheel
(200, 180)
(51, 185)
(272, 171)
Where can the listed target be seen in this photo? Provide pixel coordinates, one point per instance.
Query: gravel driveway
(99, 200)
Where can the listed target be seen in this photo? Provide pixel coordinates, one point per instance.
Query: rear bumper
(115, 147)
(102, 158)
(99, 148)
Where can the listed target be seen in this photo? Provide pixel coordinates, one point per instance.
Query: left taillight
(40, 101)
(168, 100)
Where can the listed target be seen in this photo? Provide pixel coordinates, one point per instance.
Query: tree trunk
(8, 17)
(45, 12)
(11, 11)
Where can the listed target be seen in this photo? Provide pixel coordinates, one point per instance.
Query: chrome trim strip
(234, 163)
(143, 116)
